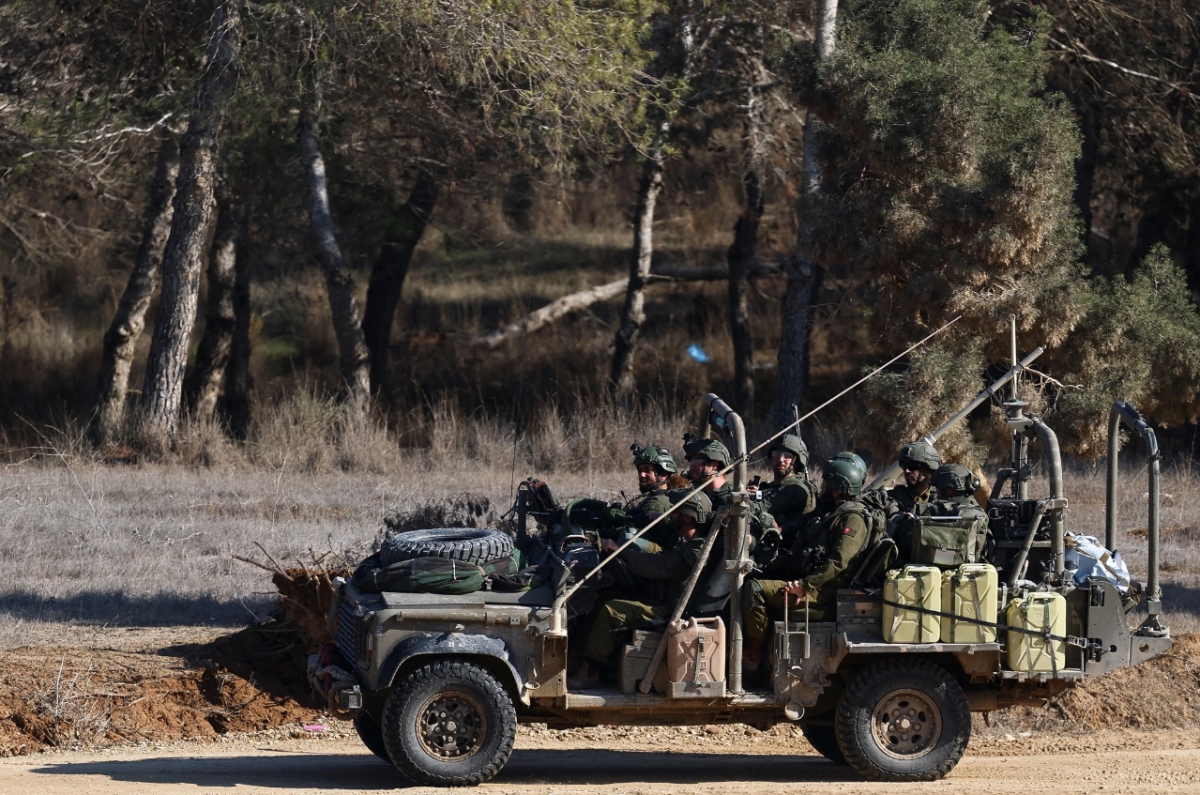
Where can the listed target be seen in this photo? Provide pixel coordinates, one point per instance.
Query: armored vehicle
(437, 684)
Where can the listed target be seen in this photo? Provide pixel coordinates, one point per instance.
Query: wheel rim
(451, 726)
(906, 724)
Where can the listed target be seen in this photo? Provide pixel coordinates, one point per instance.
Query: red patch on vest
(847, 531)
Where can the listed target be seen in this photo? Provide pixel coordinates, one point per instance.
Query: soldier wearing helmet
(790, 498)
(655, 465)
(918, 460)
(663, 574)
(955, 486)
(818, 563)
(707, 457)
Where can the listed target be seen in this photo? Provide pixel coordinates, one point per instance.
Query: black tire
(371, 733)
(822, 737)
(903, 720)
(468, 544)
(449, 724)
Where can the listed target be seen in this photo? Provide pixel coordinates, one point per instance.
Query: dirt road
(1104, 762)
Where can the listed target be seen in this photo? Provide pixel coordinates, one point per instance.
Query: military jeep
(437, 684)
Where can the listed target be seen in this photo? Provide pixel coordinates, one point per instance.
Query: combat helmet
(956, 477)
(843, 475)
(796, 446)
(698, 506)
(654, 456)
(712, 449)
(855, 459)
(921, 453)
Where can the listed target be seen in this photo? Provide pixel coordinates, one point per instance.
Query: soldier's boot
(752, 655)
(586, 677)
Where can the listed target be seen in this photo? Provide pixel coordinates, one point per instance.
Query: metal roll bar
(736, 532)
(1124, 414)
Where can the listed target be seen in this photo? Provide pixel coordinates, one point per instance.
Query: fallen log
(583, 299)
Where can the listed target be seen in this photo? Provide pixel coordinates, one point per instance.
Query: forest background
(500, 227)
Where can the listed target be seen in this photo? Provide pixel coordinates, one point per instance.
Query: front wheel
(449, 723)
(903, 720)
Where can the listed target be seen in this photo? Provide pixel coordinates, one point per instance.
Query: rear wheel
(449, 723)
(903, 720)
(823, 738)
(371, 733)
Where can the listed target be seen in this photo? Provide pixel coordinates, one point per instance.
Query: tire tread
(468, 544)
(889, 671)
(441, 670)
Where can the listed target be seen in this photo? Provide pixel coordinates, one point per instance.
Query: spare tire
(470, 544)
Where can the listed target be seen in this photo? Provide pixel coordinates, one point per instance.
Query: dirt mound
(62, 698)
(249, 680)
(1161, 694)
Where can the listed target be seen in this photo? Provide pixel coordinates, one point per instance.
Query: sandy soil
(1102, 762)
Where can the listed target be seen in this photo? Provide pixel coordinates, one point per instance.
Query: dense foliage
(983, 159)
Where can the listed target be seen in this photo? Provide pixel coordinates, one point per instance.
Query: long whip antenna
(567, 595)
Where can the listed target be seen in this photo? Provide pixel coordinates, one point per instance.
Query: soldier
(789, 497)
(955, 485)
(818, 563)
(664, 573)
(655, 465)
(918, 460)
(707, 457)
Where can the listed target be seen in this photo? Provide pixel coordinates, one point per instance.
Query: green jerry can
(1040, 612)
(915, 586)
(969, 592)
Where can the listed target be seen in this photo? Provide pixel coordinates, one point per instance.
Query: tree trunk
(339, 283)
(389, 272)
(204, 387)
(235, 403)
(741, 256)
(163, 390)
(792, 368)
(116, 359)
(633, 314)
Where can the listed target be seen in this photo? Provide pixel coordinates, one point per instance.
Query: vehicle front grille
(350, 635)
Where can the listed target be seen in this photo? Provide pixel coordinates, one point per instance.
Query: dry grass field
(87, 542)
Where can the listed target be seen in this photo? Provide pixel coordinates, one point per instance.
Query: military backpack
(949, 534)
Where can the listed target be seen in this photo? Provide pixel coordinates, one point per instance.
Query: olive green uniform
(900, 527)
(791, 502)
(820, 561)
(644, 509)
(721, 496)
(665, 572)
(905, 502)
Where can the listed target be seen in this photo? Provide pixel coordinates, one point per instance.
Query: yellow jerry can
(970, 592)
(1041, 612)
(917, 586)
